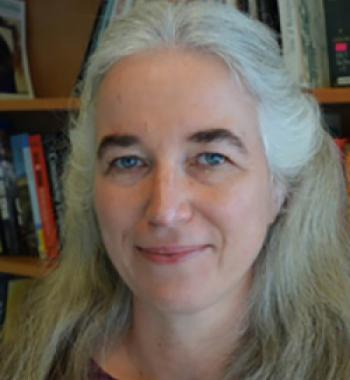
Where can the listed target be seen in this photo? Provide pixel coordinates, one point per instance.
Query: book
(15, 79)
(28, 163)
(253, 8)
(44, 196)
(8, 196)
(27, 232)
(56, 149)
(337, 16)
(304, 42)
(267, 12)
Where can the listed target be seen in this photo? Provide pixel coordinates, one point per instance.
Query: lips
(168, 250)
(170, 254)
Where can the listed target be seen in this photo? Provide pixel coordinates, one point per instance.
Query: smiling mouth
(170, 254)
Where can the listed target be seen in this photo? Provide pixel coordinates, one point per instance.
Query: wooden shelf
(39, 104)
(323, 96)
(332, 95)
(25, 266)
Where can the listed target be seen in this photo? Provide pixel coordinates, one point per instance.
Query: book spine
(8, 222)
(8, 197)
(55, 154)
(253, 8)
(33, 197)
(28, 239)
(44, 196)
(291, 40)
(268, 14)
(313, 43)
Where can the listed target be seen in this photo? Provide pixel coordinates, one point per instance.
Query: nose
(169, 199)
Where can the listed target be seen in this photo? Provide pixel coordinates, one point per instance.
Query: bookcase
(58, 33)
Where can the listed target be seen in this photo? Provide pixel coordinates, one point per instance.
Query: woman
(207, 237)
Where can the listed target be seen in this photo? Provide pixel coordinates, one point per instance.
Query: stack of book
(30, 195)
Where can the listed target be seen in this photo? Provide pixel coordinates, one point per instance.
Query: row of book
(30, 194)
(314, 34)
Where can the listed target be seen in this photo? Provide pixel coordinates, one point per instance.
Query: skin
(170, 192)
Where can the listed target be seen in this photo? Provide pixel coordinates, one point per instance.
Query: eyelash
(114, 164)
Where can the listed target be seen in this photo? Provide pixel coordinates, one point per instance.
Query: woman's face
(183, 193)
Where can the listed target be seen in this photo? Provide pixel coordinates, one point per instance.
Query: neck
(183, 346)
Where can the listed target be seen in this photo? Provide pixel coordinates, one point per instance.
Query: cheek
(114, 212)
(243, 216)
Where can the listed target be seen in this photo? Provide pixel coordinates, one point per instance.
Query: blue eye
(127, 162)
(211, 159)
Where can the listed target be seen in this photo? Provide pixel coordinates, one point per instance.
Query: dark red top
(97, 373)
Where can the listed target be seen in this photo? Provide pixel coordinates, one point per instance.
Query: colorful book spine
(33, 196)
(28, 240)
(44, 196)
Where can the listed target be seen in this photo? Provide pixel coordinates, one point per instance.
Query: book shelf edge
(26, 266)
(328, 96)
(39, 104)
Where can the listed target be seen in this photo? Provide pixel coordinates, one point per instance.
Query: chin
(186, 300)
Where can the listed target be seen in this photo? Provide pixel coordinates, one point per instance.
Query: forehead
(173, 92)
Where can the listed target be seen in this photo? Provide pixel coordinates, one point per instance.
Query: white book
(314, 42)
(291, 40)
(253, 8)
(304, 41)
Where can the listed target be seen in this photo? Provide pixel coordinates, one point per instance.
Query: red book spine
(44, 196)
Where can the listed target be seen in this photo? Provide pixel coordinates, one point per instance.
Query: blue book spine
(28, 238)
(28, 163)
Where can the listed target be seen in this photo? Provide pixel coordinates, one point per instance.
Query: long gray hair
(299, 310)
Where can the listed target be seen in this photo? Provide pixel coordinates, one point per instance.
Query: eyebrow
(110, 141)
(202, 137)
(217, 135)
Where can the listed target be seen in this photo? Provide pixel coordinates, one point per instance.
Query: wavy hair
(299, 310)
